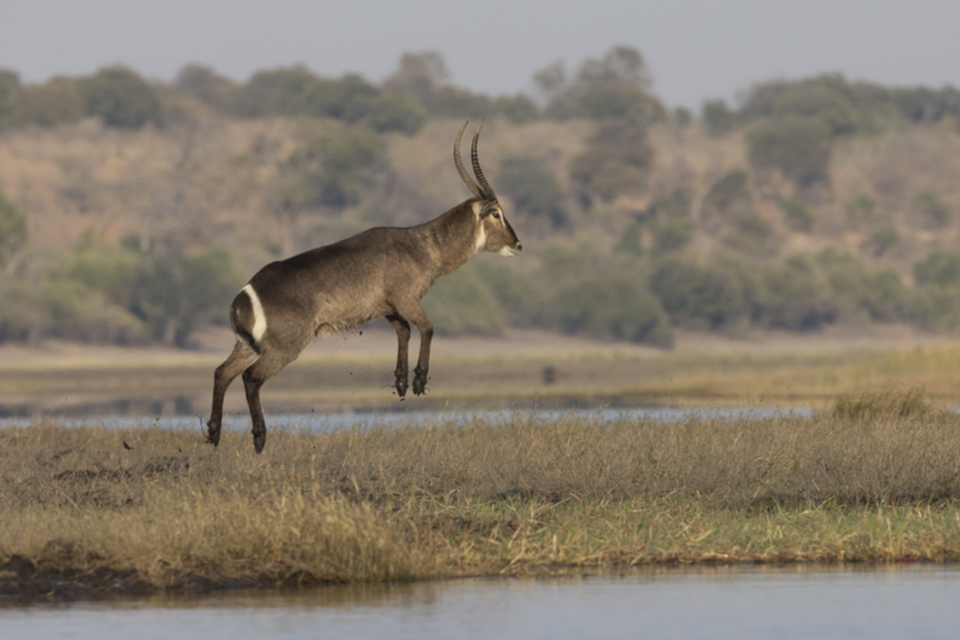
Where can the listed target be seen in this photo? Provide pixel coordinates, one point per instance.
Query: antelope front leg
(423, 363)
(403, 343)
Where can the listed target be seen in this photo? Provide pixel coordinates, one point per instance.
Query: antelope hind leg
(239, 360)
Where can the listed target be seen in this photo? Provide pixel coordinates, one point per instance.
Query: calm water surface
(884, 601)
(335, 421)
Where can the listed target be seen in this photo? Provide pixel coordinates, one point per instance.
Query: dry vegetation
(88, 183)
(96, 510)
(354, 373)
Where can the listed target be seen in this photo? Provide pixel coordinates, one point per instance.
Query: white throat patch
(481, 238)
(259, 318)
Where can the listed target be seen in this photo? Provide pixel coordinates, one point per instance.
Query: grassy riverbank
(874, 478)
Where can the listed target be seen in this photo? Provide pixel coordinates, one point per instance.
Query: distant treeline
(617, 85)
(614, 86)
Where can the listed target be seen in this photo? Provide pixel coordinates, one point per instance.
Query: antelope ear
(481, 209)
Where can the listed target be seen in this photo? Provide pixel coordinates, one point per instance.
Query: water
(365, 420)
(878, 601)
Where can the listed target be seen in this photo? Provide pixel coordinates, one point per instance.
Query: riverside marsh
(874, 481)
(871, 475)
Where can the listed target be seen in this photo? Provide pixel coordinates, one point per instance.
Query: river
(915, 601)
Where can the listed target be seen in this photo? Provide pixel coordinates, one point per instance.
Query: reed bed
(94, 510)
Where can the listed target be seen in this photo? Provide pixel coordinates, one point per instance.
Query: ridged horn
(457, 160)
(484, 185)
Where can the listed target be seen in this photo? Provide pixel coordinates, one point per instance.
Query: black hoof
(213, 435)
(420, 383)
(401, 386)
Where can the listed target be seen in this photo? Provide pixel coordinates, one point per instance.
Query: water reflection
(876, 601)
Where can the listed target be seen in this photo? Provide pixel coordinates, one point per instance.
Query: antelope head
(495, 233)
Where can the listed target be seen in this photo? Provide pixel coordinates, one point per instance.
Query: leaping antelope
(380, 272)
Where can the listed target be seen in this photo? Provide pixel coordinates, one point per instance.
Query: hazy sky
(696, 49)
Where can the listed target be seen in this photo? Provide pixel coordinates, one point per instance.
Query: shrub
(614, 307)
(120, 98)
(729, 199)
(630, 241)
(883, 239)
(939, 268)
(116, 295)
(749, 233)
(518, 109)
(462, 303)
(514, 294)
(207, 86)
(78, 312)
(795, 297)
(613, 87)
(718, 117)
(395, 112)
(533, 189)
(861, 207)
(672, 234)
(47, 105)
(798, 147)
(821, 101)
(332, 169)
(797, 214)
(13, 230)
(280, 91)
(9, 93)
(617, 160)
(21, 314)
(712, 296)
(934, 212)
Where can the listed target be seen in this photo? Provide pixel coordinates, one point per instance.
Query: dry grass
(83, 513)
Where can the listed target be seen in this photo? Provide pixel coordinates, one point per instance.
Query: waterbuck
(381, 272)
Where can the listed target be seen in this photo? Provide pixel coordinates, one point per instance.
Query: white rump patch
(259, 318)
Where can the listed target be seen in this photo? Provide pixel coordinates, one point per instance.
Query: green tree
(617, 160)
(614, 307)
(395, 112)
(120, 98)
(207, 86)
(797, 214)
(940, 268)
(274, 92)
(47, 105)
(615, 86)
(933, 211)
(533, 188)
(718, 117)
(462, 303)
(332, 169)
(795, 297)
(715, 295)
(799, 147)
(419, 74)
(13, 230)
(9, 92)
